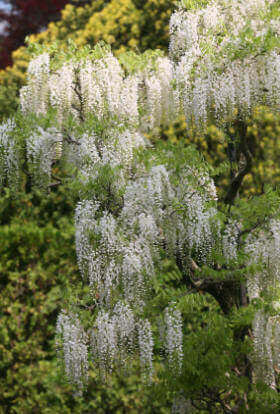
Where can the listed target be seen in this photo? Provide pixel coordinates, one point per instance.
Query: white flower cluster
(116, 335)
(61, 86)
(43, 147)
(148, 195)
(218, 24)
(100, 86)
(113, 337)
(158, 99)
(9, 157)
(84, 222)
(146, 344)
(136, 263)
(241, 84)
(92, 152)
(108, 259)
(263, 247)
(103, 90)
(121, 252)
(72, 340)
(104, 341)
(104, 270)
(212, 70)
(119, 255)
(230, 241)
(34, 96)
(174, 215)
(266, 333)
(174, 338)
(190, 222)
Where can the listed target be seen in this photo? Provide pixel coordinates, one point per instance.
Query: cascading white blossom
(72, 340)
(107, 260)
(173, 338)
(263, 247)
(91, 152)
(96, 262)
(230, 241)
(184, 228)
(158, 99)
(34, 97)
(103, 268)
(99, 86)
(137, 269)
(104, 341)
(190, 222)
(43, 147)
(125, 326)
(184, 36)
(146, 343)
(263, 349)
(121, 146)
(148, 195)
(86, 156)
(199, 231)
(9, 157)
(62, 91)
(84, 219)
(113, 337)
(214, 73)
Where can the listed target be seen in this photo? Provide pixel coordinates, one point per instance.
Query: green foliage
(133, 62)
(193, 4)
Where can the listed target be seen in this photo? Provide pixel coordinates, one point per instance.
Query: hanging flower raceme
(35, 96)
(146, 344)
(43, 147)
(216, 71)
(71, 341)
(113, 338)
(9, 154)
(173, 339)
(98, 85)
(263, 248)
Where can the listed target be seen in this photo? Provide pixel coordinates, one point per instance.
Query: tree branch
(77, 90)
(70, 140)
(228, 292)
(245, 164)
